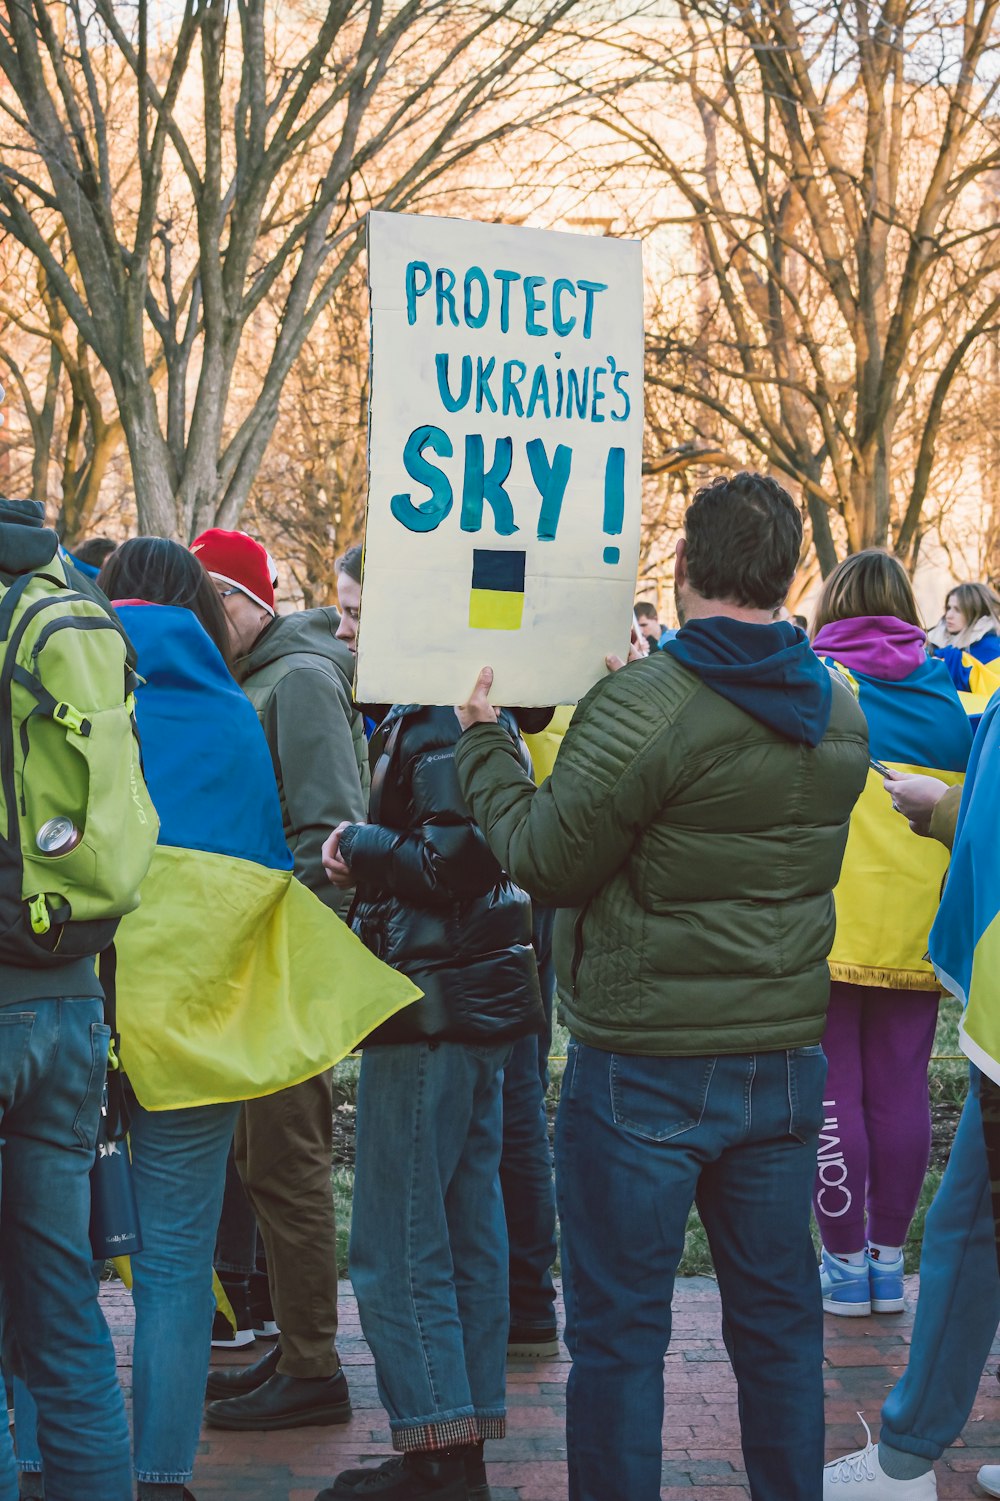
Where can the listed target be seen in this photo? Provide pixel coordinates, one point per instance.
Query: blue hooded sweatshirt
(769, 671)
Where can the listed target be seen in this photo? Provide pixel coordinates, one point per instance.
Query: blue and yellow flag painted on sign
(234, 981)
(497, 599)
(965, 939)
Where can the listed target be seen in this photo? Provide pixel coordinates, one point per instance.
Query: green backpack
(77, 827)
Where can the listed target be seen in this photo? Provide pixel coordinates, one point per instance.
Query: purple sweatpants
(876, 1138)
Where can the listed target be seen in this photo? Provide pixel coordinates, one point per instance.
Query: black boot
(407, 1477)
(285, 1402)
(234, 1381)
(475, 1473)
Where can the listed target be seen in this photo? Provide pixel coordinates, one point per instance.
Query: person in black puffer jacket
(428, 1241)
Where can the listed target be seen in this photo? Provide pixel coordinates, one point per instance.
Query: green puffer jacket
(298, 677)
(700, 848)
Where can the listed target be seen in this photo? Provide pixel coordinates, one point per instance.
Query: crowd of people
(715, 861)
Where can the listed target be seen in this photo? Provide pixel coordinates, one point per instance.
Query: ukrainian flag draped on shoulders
(965, 938)
(890, 883)
(234, 981)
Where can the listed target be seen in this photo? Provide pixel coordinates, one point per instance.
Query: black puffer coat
(432, 900)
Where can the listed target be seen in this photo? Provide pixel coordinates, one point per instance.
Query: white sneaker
(989, 1479)
(860, 1475)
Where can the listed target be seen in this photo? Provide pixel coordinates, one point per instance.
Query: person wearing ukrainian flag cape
(967, 638)
(234, 980)
(959, 1305)
(875, 1143)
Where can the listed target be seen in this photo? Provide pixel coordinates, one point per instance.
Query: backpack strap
(381, 771)
(10, 602)
(119, 1116)
(11, 599)
(62, 713)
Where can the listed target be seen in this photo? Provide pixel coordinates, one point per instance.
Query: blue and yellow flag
(890, 883)
(234, 980)
(496, 602)
(965, 938)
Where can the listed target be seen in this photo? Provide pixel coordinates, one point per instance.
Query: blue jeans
(53, 1055)
(638, 1140)
(529, 1195)
(179, 1169)
(428, 1240)
(959, 1305)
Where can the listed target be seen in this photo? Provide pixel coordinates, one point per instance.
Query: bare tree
(310, 492)
(73, 431)
(190, 191)
(836, 166)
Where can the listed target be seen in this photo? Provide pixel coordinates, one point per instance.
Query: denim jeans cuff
(908, 1444)
(155, 1477)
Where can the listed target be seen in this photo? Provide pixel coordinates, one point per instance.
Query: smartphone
(879, 766)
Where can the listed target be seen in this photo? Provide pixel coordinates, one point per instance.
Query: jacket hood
(26, 542)
(880, 645)
(312, 632)
(768, 671)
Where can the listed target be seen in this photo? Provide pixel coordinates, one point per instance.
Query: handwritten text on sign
(506, 402)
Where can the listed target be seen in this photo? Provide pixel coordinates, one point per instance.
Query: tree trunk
(157, 513)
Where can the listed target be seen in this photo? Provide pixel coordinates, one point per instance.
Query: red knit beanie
(237, 559)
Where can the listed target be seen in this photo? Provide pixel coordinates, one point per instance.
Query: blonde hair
(872, 582)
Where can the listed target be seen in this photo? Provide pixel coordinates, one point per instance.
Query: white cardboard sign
(505, 460)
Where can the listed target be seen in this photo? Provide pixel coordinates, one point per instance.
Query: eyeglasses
(225, 593)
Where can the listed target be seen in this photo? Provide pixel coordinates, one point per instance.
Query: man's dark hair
(646, 611)
(350, 563)
(744, 537)
(95, 551)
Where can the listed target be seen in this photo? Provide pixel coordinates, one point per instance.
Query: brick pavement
(701, 1437)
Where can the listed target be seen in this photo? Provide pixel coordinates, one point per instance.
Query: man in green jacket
(696, 821)
(298, 677)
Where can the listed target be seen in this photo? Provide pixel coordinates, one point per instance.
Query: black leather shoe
(405, 1477)
(236, 1380)
(475, 1475)
(532, 1342)
(285, 1402)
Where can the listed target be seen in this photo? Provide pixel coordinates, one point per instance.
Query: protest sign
(505, 454)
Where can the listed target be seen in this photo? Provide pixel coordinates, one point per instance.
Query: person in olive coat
(428, 1251)
(696, 820)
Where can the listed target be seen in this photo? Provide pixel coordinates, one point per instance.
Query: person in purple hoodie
(875, 1143)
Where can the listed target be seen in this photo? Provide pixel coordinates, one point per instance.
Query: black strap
(47, 703)
(119, 1114)
(9, 602)
(381, 771)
